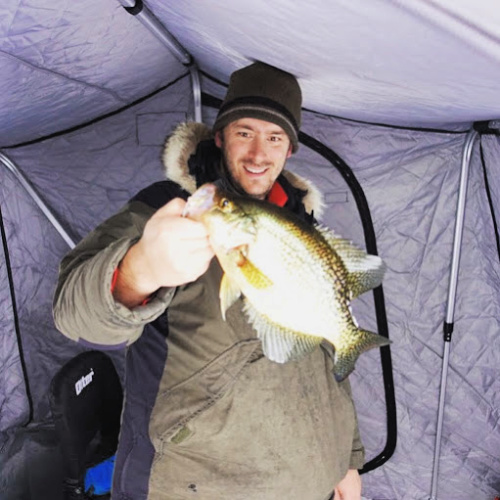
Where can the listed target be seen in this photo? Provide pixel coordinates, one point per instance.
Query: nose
(257, 149)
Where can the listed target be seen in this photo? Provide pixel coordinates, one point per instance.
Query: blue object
(98, 478)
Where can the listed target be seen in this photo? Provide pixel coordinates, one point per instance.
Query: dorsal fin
(365, 271)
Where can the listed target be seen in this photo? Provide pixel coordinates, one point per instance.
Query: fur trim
(179, 147)
(313, 200)
(182, 143)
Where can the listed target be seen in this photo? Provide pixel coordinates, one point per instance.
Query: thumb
(174, 207)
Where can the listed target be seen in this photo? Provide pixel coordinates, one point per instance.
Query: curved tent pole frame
(138, 9)
(450, 306)
(15, 318)
(23, 180)
(378, 293)
(12, 167)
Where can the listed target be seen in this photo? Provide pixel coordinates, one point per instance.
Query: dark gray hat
(264, 92)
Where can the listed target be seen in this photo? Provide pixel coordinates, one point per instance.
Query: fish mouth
(200, 201)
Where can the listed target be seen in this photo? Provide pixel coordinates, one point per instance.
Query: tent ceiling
(416, 63)
(420, 63)
(65, 63)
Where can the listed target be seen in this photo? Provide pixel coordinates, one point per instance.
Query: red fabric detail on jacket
(113, 280)
(113, 285)
(277, 195)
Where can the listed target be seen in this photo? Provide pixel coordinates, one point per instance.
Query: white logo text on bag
(84, 382)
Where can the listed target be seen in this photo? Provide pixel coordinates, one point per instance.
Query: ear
(218, 139)
(290, 151)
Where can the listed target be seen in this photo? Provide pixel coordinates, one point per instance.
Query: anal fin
(280, 344)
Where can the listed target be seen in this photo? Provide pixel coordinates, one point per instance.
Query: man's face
(255, 152)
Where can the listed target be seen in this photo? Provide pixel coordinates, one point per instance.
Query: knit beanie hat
(266, 93)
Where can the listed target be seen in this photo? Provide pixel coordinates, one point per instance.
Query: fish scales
(296, 280)
(303, 268)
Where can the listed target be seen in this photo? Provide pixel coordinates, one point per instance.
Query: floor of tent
(31, 465)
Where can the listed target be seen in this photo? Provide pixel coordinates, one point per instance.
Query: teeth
(255, 170)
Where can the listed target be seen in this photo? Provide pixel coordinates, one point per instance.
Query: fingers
(174, 250)
(170, 216)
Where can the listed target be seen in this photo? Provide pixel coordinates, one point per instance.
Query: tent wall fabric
(88, 98)
(105, 156)
(13, 397)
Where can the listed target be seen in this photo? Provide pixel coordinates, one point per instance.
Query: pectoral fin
(252, 273)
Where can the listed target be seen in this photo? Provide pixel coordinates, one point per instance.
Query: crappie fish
(296, 280)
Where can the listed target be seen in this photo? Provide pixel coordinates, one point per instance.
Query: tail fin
(347, 355)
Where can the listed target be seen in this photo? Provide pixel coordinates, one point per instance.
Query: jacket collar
(182, 143)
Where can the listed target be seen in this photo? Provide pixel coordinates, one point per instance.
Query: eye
(276, 139)
(225, 204)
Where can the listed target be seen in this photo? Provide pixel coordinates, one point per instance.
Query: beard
(229, 182)
(226, 179)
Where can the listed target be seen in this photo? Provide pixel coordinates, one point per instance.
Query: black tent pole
(450, 307)
(378, 294)
(17, 329)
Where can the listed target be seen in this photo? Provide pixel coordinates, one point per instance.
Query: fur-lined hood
(182, 144)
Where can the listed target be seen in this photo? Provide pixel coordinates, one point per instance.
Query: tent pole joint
(450, 306)
(447, 331)
(135, 9)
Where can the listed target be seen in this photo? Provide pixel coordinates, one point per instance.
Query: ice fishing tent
(402, 97)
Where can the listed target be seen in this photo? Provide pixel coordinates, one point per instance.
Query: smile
(255, 170)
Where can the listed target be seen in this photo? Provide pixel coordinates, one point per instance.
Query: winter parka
(206, 415)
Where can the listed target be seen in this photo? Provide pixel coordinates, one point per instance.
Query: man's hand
(172, 251)
(350, 487)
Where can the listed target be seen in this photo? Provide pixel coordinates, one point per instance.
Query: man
(206, 415)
